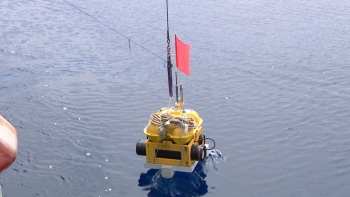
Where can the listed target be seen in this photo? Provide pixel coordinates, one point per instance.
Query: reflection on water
(182, 183)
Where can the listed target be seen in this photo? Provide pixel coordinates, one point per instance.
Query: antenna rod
(169, 64)
(181, 94)
(177, 88)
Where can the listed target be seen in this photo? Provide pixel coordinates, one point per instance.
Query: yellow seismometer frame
(174, 137)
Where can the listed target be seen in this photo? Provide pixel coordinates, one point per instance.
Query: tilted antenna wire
(129, 40)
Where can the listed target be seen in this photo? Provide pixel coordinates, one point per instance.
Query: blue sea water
(270, 79)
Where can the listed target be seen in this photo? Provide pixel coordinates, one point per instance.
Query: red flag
(182, 56)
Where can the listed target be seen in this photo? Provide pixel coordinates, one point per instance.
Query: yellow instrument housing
(174, 133)
(175, 140)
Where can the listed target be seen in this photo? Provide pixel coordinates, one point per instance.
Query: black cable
(212, 141)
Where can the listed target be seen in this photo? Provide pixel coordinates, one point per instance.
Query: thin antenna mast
(169, 64)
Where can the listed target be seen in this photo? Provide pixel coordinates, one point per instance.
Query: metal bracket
(168, 171)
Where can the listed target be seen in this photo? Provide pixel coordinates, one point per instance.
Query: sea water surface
(271, 80)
